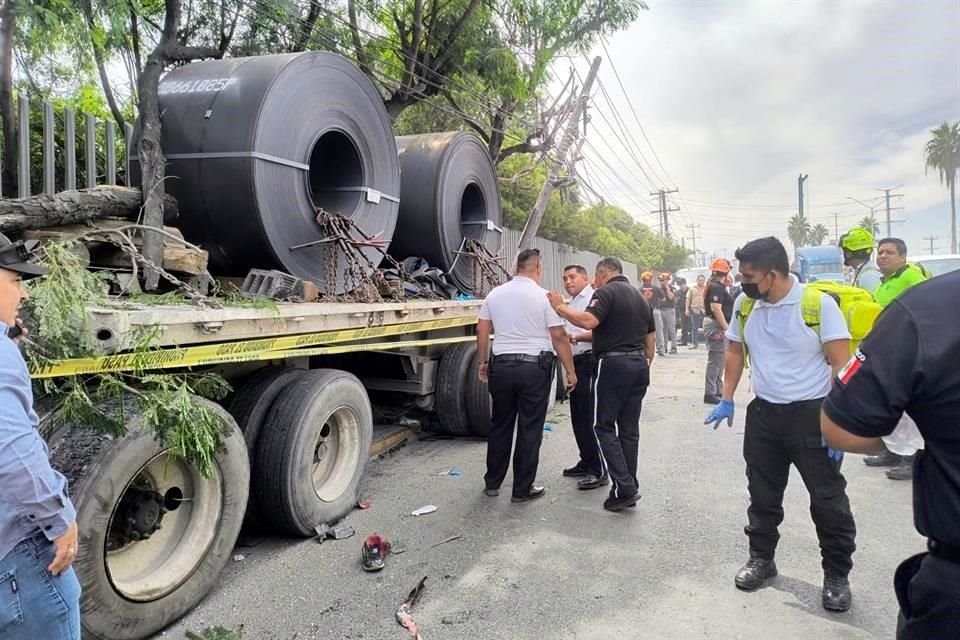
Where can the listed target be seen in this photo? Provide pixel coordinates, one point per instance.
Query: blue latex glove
(721, 411)
(834, 454)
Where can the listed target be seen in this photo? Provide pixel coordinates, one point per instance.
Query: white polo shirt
(579, 302)
(521, 315)
(786, 356)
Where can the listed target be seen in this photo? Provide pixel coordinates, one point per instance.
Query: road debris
(239, 557)
(325, 531)
(374, 552)
(450, 539)
(455, 471)
(424, 510)
(366, 504)
(548, 427)
(405, 612)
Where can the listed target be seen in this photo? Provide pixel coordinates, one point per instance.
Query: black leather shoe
(619, 504)
(493, 493)
(576, 471)
(885, 459)
(592, 482)
(903, 471)
(753, 574)
(535, 492)
(708, 399)
(836, 593)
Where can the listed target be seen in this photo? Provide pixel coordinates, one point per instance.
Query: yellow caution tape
(254, 350)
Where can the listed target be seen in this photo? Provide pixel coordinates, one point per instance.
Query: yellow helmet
(857, 239)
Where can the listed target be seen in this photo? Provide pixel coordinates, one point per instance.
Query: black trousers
(521, 394)
(776, 437)
(619, 389)
(581, 414)
(928, 589)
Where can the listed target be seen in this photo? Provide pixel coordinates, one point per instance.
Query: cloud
(740, 98)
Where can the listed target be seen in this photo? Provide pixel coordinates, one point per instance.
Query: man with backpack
(857, 246)
(795, 337)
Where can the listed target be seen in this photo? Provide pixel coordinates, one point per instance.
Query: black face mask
(752, 290)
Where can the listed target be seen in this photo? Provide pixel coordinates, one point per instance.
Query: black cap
(15, 256)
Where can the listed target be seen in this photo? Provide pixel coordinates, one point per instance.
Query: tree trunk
(76, 207)
(8, 21)
(152, 162)
(306, 30)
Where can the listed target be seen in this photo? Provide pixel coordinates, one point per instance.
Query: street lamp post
(873, 219)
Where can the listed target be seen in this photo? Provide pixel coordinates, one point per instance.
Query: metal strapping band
(372, 194)
(235, 154)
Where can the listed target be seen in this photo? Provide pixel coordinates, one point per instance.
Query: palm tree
(943, 154)
(871, 225)
(798, 230)
(818, 234)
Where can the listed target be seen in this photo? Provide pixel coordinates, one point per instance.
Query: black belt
(585, 354)
(789, 407)
(617, 354)
(944, 551)
(516, 357)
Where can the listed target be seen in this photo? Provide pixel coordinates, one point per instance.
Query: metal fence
(555, 257)
(58, 163)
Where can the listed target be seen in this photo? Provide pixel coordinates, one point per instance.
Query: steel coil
(448, 193)
(256, 145)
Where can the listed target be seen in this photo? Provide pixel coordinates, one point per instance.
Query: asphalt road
(562, 567)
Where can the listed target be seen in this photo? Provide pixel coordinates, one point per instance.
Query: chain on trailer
(488, 272)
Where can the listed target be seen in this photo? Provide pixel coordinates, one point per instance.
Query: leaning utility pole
(889, 209)
(536, 216)
(664, 210)
(800, 182)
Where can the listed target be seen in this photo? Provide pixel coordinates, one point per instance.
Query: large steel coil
(448, 194)
(256, 145)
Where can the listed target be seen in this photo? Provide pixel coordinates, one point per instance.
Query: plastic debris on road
(239, 557)
(548, 427)
(366, 504)
(424, 510)
(405, 612)
(455, 471)
(325, 531)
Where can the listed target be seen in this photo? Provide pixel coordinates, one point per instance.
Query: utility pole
(836, 227)
(693, 235)
(800, 182)
(931, 239)
(536, 216)
(664, 210)
(889, 209)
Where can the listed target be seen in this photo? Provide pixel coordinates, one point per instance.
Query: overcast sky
(738, 98)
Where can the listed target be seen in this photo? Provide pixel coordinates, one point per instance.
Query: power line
(931, 240)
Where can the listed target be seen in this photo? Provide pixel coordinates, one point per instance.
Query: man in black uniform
(908, 363)
(624, 336)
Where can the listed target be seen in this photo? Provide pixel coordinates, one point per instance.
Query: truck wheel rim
(337, 454)
(162, 527)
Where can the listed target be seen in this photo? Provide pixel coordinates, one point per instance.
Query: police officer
(519, 373)
(791, 375)
(908, 363)
(624, 336)
(718, 309)
(857, 245)
(576, 282)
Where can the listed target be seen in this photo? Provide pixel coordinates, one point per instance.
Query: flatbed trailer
(155, 533)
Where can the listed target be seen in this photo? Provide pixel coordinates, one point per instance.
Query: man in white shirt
(589, 468)
(793, 360)
(528, 335)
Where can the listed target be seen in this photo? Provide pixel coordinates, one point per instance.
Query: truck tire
(122, 488)
(452, 379)
(313, 452)
(477, 401)
(249, 407)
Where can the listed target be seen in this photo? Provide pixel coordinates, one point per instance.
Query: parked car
(938, 265)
